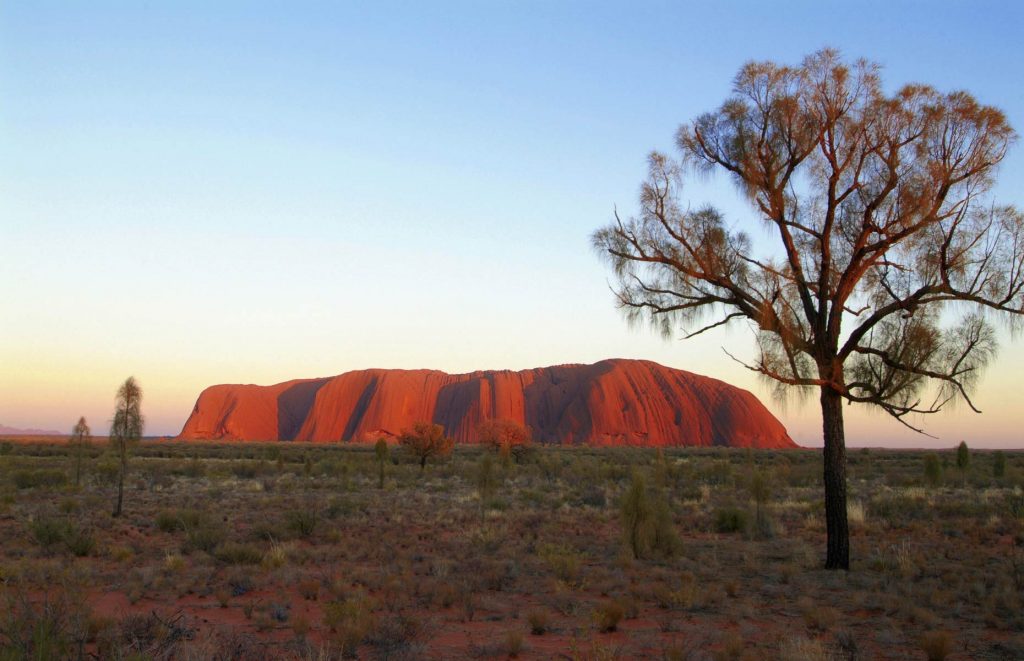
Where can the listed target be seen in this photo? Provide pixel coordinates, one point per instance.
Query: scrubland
(265, 550)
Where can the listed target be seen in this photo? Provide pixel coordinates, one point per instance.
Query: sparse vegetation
(426, 441)
(332, 560)
(380, 450)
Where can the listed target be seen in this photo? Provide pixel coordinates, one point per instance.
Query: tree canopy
(880, 209)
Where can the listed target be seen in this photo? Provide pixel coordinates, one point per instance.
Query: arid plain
(293, 550)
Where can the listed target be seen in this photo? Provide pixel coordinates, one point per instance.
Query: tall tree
(126, 430)
(81, 437)
(882, 228)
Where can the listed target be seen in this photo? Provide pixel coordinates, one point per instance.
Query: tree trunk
(381, 484)
(423, 462)
(838, 530)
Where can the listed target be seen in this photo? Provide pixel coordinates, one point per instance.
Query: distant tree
(879, 207)
(126, 430)
(963, 459)
(381, 452)
(999, 464)
(81, 438)
(932, 469)
(426, 440)
(507, 437)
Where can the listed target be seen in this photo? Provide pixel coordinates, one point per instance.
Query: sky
(246, 192)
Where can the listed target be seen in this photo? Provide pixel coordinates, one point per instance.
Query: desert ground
(288, 550)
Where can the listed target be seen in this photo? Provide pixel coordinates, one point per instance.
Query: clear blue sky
(250, 192)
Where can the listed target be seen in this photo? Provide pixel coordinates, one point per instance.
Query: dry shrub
(608, 615)
(802, 649)
(539, 621)
(564, 562)
(821, 618)
(309, 589)
(936, 645)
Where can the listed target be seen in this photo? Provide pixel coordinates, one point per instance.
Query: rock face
(613, 402)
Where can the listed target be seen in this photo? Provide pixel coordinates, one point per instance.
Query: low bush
(49, 532)
(608, 615)
(563, 562)
(180, 519)
(203, 538)
(302, 522)
(539, 622)
(233, 553)
(80, 541)
(731, 519)
(937, 645)
(42, 477)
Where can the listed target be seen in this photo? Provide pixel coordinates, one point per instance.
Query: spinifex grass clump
(302, 522)
(647, 521)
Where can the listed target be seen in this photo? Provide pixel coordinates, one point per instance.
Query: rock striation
(611, 403)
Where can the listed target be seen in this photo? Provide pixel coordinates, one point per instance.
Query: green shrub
(68, 505)
(182, 519)
(563, 561)
(731, 519)
(80, 541)
(608, 615)
(203, 538)
(245, 469)
(48, 531)
(302, 522)
(963, 456)
(106, 470)
(43, 477)
(636, 513)
(167, 521)
(932, 469)
(664, 540)
(999, 464)
(351, 621)
(233, 553)
(46, 627)
(539, 622)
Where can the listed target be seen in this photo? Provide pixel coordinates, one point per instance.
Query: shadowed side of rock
(610, 403)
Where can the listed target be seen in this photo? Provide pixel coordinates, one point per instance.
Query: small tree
(932, 469)
(963, 460)
(426, 440)
(999, 464)
(507, 437)
(81, 438)
(381, 451)
(126, 430)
